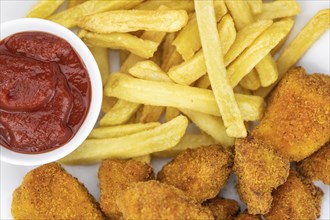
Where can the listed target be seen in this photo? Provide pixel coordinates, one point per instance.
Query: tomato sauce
(45, 92)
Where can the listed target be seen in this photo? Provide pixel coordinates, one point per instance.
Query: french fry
(133, 20)
(227, 32)
(171, 113)
(245, 38)
(120, 113)
(279, 9)
(255, 6)
(258, 50)
(221, 87)
(123, 54)
(101, 56)
(150, 113)
(203, 82)
(122, 41)
(240, 90)
(142, 143)
(172, 59)
(44, 8)
(72, 3)
(311, 32)
(107, 103)
(120, 130)
(188, 141)
(240, 12)
(145, 158)
(211, 125)
(157, 58)
(149, 70)
(267, 70)
(69, 17)
(186, 5)
(167, 46)
(125, 87)
(188, 42)
(251, 81)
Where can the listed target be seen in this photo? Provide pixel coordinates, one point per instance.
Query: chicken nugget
(297, 198)
(259, 170)
(246, 216)
(222, 209)
(296, 121)
(155, 200)
(117, 175)
(49, 192)
(317, 166)
(201, 172)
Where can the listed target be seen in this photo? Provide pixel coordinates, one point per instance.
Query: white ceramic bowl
(34, 24)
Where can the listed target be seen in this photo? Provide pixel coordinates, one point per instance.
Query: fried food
(297, 198)
(49, 192)
(115, 176)
(222, 209)
(298, 113)
(317, 166)
(201, 172)
(246, 216)
(155, 200)
(259, 170)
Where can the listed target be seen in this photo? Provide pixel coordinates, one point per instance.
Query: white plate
(315, 60)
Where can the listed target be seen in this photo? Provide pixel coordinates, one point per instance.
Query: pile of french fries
(209, 61)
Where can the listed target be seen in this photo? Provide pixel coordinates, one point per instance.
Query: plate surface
(316, 60)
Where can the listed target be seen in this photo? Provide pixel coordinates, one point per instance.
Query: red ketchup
(45, 92)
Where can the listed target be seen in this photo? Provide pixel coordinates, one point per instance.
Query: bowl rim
(35, 24)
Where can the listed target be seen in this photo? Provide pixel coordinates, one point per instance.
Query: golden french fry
(203, 82)
(227, 32)
(107, 103)
(251, 81)
(123, 54)
(101, 56)
(245, 38)
(279, 9)
(150, 113)
(172, 59)
(120, 113)
(240, 90)
(125, 87)
(157, 58)
(255, 6)
(120, 130)
(267, 70)
(145, 158)
(149, 70)
(311, 32)
(72, 3)
(122, 41)
(240, 12)
(133, 20)
(211, 125)
(217, 73)
(142, 143)
(167, 46)
(279, 45)
(258, 50)
(44, 8)
(171, 113)
(188, 141)
(186, 5)
(69, 17)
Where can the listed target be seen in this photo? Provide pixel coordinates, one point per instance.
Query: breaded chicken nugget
(296, 199)
(201, 172)
(317, 166)
(49, 192)
(259, 170)
(246, 216)
(155, 200)
(117, 175)
(222, 209)
(296, 121)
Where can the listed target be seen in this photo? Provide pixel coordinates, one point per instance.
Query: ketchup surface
(45, 92)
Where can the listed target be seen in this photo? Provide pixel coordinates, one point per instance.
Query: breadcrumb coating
(259, 170)
(115, 176)
(222, 209)
(155, 200)
(297, 198)
(200, 172)
(317, 166)
(297, 118)
(246, 216)
(49, 192)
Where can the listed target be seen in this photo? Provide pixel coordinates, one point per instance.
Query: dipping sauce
(45, 92)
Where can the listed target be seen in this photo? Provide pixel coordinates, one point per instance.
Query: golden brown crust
(259, 170)
(296, 120)
(201, 172)
(115, 176)
(296, 199)
(49, 192)
(222, 209)
(155, 200)
(246, 216)
(317, 166)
